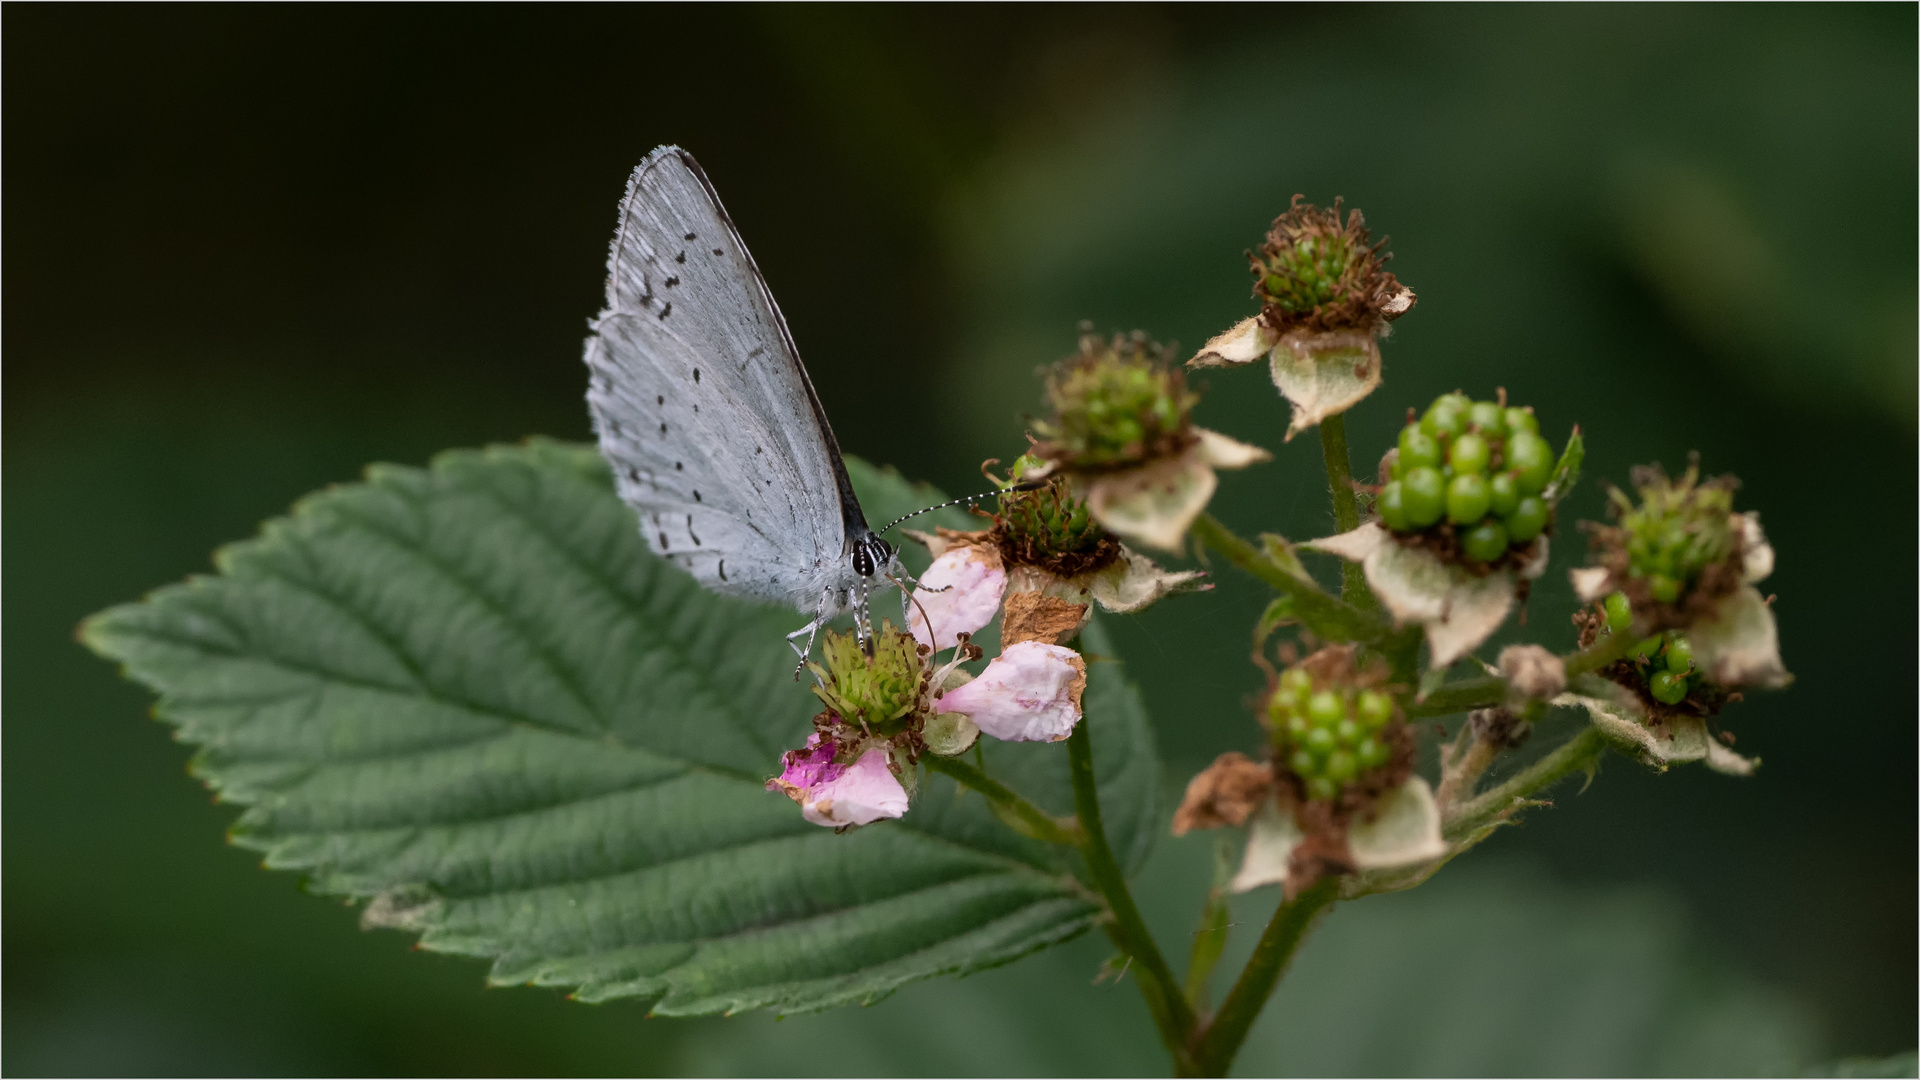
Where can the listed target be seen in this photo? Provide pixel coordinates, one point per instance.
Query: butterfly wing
(702, 407)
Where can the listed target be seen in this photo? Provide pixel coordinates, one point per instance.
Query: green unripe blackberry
(1486, 541)
(1530, 459)
(1528, 519)
(1503, 494)
(1392, 507)
(1519, 420)
(1467, 498)
(1373, 709)
(1417, 448)
(1372, 753)
(1297, 726)
(1679, 654)
(1424, 496)
(1321, 789)
(1667, 688)
(1325, 709)
(1648, 648)
(1347, 732)
(1320, 742)
(1285, 700)
(1469, 454)
(1663, 587)
(1619, 613)
(1444, 421)
(1489, 417)
(1303, 763)
(1341, 766)
(1296, 680)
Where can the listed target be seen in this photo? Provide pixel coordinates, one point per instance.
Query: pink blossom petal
(1030, 693)
(864, 792)
(969, 581)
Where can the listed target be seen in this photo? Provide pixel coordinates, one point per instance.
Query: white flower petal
(1270, 843)
(1134, 581)
(1458, 610)
(1591, 582)
(1247, 341)
(1222, 452)
(960, 593)
(1405, 830)
(1030, 693)
(866, 792)
(1740, 644)
(1757, 554)
(1153, 505)
(1324, 374)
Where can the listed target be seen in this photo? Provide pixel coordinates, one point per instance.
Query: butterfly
(703, 409)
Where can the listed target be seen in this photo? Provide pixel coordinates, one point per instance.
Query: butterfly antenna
(1030, 485)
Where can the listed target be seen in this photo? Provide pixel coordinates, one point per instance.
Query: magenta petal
(863, 792)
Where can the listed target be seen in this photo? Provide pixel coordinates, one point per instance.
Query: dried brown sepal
(1320, 270)
(1226, 792)
(1037, 616)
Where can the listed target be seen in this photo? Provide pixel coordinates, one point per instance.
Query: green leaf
(1566, 472)
(471, 696)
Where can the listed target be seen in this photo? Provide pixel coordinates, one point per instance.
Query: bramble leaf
(470, 696)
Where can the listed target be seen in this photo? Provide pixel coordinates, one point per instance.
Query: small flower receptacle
(1047, 527)
(1679, 549)
(1117, 403)
(1320, 271)
(877, 693)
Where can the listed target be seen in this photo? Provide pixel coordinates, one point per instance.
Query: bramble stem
(1346, 508)
(1045, 826)
(1325, 615)
(1576, 753)
(1129, 931)
(1222, 1038)
(1476, 693)
(1599, 654)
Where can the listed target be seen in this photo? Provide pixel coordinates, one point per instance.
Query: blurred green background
(251, 249)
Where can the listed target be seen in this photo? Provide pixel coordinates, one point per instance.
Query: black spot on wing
(696, 374)
(696, 495)
(680, 258)
(672, 281)
(667, 310)
(663, 541)
(659, 399)
(690, 532)
(723, 569)
(678, 467)
(663, 427)
(717, 251)
(691, 236)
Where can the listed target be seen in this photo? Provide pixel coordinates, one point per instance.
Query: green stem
(1157, 982)
(1576, 753)
(1346, 507)
(1454, 697)
(1044, 825)
(1222, 1039)
(1325, 615)
(1599, 654)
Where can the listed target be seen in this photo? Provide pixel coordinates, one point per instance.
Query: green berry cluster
(1320, 270)
(1329, 735)
(1048, 527)
(870, 691)
(1665, 660)
(1479, 466)
(1307, 273)
(1115, 403)
(1678, 530)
